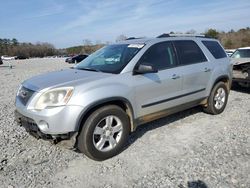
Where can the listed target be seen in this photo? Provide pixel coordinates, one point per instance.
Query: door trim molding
(172, 98)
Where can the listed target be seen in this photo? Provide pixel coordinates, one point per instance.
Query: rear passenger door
(195, 69)
(158, 91)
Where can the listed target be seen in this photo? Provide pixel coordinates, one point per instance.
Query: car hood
(68, 77)
(238, 61)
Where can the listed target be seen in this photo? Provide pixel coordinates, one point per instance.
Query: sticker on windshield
(135, 45)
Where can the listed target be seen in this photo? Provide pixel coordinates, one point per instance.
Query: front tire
(104, 133)
(217, 100)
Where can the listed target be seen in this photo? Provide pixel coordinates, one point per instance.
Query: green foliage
(235, 39)
(228, 44)
(74, 50)
(213, 33)
(231, 39)
(85, 49)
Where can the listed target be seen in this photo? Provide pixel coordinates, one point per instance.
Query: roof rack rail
(180, 35)
(163, 35)
(131, 38)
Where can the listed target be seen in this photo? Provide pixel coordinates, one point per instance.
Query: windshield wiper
(88, 69)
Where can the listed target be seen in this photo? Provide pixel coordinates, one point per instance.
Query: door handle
(207, 70)
(174, 77)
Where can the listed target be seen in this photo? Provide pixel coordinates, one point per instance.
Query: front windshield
(243, 53)
(111, 58)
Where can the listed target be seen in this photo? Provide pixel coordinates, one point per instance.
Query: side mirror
(144, 68)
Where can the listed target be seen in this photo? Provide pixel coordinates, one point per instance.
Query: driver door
(158, 91)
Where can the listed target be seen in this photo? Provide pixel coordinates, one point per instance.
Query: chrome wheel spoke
(117, 128)
(223, 99)
(217, 105)
(223, 94)
(98, 131)
(112, 142)
(216, 98)
(109, 121)
(100, 143)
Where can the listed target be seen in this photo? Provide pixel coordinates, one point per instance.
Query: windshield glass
(111, 58)
(241, 53)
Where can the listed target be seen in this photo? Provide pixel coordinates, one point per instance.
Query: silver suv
(102, 99)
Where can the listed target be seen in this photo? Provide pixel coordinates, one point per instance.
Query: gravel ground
(189, 149)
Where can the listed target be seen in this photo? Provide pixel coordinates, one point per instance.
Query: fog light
(245, 74)
(43, 125)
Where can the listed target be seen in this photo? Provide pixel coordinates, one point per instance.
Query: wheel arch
(222, 78)
(225, 79)
(119, 101)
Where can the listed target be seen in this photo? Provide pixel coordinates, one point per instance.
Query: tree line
(12, 47)
(230, 40)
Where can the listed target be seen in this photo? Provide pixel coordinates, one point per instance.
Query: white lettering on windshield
(135, 45)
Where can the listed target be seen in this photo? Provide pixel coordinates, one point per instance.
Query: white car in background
(229, 52)
(4, 57)
(241, 66)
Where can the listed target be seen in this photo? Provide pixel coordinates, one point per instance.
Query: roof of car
(135, 41)
(162, 37)
(244, 48)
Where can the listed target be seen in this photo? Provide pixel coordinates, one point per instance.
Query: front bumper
(55, 121)
(241, 80)
(241, 73)
(30, 126)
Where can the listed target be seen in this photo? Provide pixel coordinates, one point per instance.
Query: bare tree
(121, 38)
(87, 42)
(191, 31)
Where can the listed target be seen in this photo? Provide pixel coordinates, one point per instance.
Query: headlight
(53, 98)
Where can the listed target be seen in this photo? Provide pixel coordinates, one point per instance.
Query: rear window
(215, 49)
(189, 52)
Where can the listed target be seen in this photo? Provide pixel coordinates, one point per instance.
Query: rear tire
(217, 100)
(104, 133)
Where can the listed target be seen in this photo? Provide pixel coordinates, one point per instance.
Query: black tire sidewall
(85, 139)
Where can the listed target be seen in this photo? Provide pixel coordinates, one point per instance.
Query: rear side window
(215, 49)
(189, 52)
(160, 55)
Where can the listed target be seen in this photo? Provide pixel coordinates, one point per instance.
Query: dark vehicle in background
(241, 66)
(76, 59)
(1, 62)
(21, 57)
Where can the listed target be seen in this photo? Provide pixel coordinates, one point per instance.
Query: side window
(189, 52)
(215, 49)
(161, 55)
